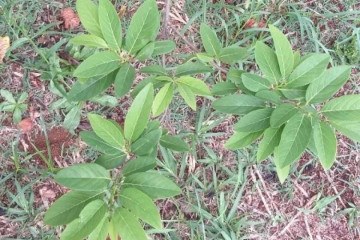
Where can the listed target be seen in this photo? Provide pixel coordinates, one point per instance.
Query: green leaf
(325, 143)
(94, 86)
(269, 142)
(143, 28)
(349, 129)
(141, 205)
(224, 88)
(266, 59)
(197, 86)
(174, 143)
(241, 140)
(139, 113)
(88, 14)
(99, 64)
(255, 83)
(283, 173)
(89, 40)
(254, 121)
(153, 184)
(68, 207)
(163, 99)
(140, 164)
(99, 144)
(146, 52)
(89, 219)
(128, 226)
(231, 54)
(8, 96)
(270, 95)
(345, 108)
(294, 93)
(238, 104)
(282, 114)
(124, 79)
(110, 25)
(110, 161)
(72, 118)
(84, 177)
(327, 84)
(308, 70)
(294, 140)
(101, 231)
(210, 41)
(107, 130)
(187, 95)
(163, 47)
(297, 58)
(146, 143)
(191, 68)
(154, 69)
(283, 50)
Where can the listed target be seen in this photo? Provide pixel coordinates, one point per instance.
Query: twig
(166, 19)
(260, 193)
(308, 227)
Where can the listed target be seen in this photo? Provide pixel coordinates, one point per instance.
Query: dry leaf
(25, 125)
(122, 11)
(4, 46)
(71, 20)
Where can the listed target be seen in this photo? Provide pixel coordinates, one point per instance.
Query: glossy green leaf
(187, 94)
(154, 185)
(345, 108)
(143, 28)
(197, 86)
(269, 142)
(84, 177)
(282, 114)
(89, 219)
(308, 70)
(124, 79)
(147, 143)
(101, 231)
(254, 121)
(141, 205)
(231, 54)
(163, 99)
(209, 40)
(88, 14)
(89, 40)
(99, 144)
(146, 52)
(266, 59)
(99, 64)
(255, 83)
(240, 139)
(127, 225)
(139, 113)
(325, 143)
(238, 104)
(282, 173)
(191, 68)
(107, 130)
(349, 129)
(110, 24)
(283, 50)
(140, 164)
(224, 88)
(327, 84)
(68, 207)
(294, 140)
(108, 161)
(174, 143)
(154, 69)
(163, 47)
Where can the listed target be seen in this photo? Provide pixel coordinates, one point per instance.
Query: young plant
(16, 107)
(289, 107)
(105, 202)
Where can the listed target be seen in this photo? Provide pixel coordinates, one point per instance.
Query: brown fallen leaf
(4, 46)
(25, 125)
(71, 20)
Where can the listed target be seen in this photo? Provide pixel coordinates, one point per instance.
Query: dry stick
(308, 227)
(260, 193)
(335, 190)
(165, 27)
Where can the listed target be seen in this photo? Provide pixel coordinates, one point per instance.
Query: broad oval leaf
(266, 59)
(101, 231)
(146, 52)
(269, 142)
(254, 121)
(163, 99)
(349, 129)
(89, 40)
(141, 205)
(124, 79)
(84, 177)
(255, 83)
(153, 184)
(232, 54)
(99, 64)
(174, 143)
(94, 141)
(139, 113)
(294, 140)
(109, 161)
(147, 143)
(187, 95)
(127, 225)
(210, 41)
(68, 207)
(242, 139)
(143, 28)
(224, 88)
(283, 50)
(282, 173)
(294, 93)
(282, 114)
(197, 86)
(140, 164)
(154, 69)
(273, 96)
(163, 47)
(325, 143)
(308, 70)
(110, 24)
(327, 84)
(345, 108)
(238, 104)
(191, 68)
(88, 14)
